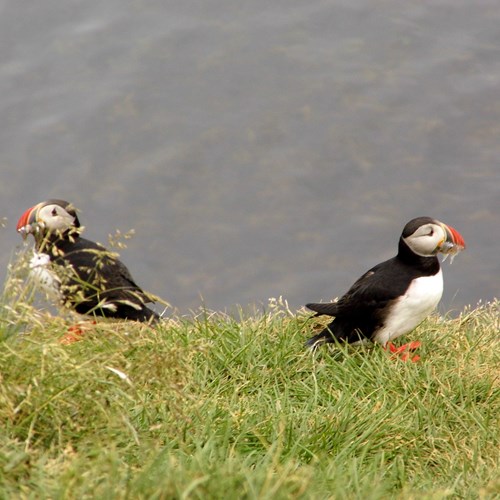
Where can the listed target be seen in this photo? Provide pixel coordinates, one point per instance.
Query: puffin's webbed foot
(76, 332)
(403, 352)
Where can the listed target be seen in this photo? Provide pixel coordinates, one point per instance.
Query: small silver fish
(450, 249)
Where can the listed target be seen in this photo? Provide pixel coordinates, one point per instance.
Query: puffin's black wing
(360, 311)
(367, 292)
(96, 282)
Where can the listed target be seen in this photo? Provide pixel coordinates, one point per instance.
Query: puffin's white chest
(43, 275)
(421, 298)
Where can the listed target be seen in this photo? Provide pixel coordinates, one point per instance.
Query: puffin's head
(427, 237)
(49, 218)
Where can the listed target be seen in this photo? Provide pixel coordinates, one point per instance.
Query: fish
(450, 249)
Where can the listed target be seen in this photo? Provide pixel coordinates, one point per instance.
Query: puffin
(395, 296)
(82, 274)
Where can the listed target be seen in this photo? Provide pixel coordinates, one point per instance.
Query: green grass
(214, 407)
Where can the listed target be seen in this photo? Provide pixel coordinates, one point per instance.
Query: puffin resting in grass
(82, 274)
(393, 297)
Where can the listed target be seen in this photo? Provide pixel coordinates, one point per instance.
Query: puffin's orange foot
(403, 352)
(75, 333)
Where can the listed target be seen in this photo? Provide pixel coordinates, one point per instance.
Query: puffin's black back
(93, 276)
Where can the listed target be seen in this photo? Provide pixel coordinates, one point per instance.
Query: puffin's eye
(54, 212)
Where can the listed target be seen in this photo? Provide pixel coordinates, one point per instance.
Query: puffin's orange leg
(75, 333)
(403, 352)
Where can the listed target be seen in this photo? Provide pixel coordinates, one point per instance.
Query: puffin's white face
(427, 240)
(54, 218)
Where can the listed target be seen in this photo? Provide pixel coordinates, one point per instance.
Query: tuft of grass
(215, 406)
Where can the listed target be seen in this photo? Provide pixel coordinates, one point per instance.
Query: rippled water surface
(259, 148)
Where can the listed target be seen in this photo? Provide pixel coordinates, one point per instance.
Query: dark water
(259, 148)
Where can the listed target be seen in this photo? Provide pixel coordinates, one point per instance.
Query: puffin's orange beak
(25, 223)
(452, 244)
(454, 237)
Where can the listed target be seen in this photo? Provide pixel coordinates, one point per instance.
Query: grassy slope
(212, 407)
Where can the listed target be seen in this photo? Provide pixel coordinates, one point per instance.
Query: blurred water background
(259, 149)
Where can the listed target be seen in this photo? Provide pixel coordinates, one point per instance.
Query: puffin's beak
(454, 241)
(25, 225)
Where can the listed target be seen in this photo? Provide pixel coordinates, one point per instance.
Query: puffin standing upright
(393, 297)
(83, 274)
